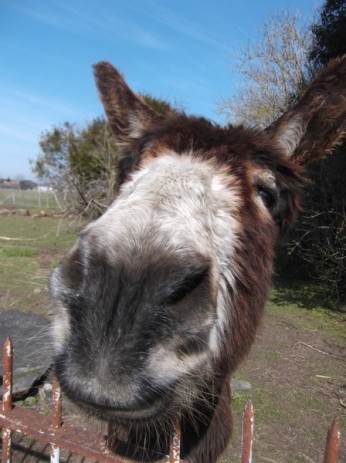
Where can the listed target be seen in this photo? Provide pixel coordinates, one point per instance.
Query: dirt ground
(297, 370)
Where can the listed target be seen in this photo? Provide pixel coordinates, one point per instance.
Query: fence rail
(29, 199)
(59, 435)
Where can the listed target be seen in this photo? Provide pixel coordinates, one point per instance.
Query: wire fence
(30, 200)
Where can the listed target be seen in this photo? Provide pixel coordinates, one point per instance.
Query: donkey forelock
(160, 297)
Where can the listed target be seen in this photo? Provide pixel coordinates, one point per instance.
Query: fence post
(248, 429)
(7, 397)
(333, 443)
(174, 448)
(56, 416)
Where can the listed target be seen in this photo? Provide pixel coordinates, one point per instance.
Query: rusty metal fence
(53, 431)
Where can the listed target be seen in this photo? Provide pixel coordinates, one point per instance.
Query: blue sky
(180, 50)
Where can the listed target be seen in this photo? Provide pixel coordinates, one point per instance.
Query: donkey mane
(160, 298)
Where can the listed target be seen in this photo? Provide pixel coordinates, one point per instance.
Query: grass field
(28, 199)
(296, 368)
(29, 247)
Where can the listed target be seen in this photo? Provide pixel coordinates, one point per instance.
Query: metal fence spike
(174, 451)
(7, 373)
(331, 454)
(248, 430)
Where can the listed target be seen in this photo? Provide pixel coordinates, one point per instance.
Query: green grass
(31, 248)
(290, 298)
(18, 251)
(38, 232)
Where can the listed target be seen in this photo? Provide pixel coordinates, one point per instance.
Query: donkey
(159, 299)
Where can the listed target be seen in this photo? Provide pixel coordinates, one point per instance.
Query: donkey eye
(268, 196)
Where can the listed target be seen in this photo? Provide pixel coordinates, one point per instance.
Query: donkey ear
(317, 123)
(127, 114)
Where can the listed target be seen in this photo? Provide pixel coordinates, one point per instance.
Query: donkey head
(159, 299)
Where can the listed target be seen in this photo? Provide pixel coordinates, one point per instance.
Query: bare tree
(80, 164)
(100, 190)
(275, 71)
(320, 240)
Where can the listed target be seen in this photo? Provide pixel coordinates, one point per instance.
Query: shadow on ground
(302, 294)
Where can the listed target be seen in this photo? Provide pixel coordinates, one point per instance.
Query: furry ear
(127, 114)
(317, 123)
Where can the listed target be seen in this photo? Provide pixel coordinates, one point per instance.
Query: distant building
(13, 184)
(17, 184)
(44, 188)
